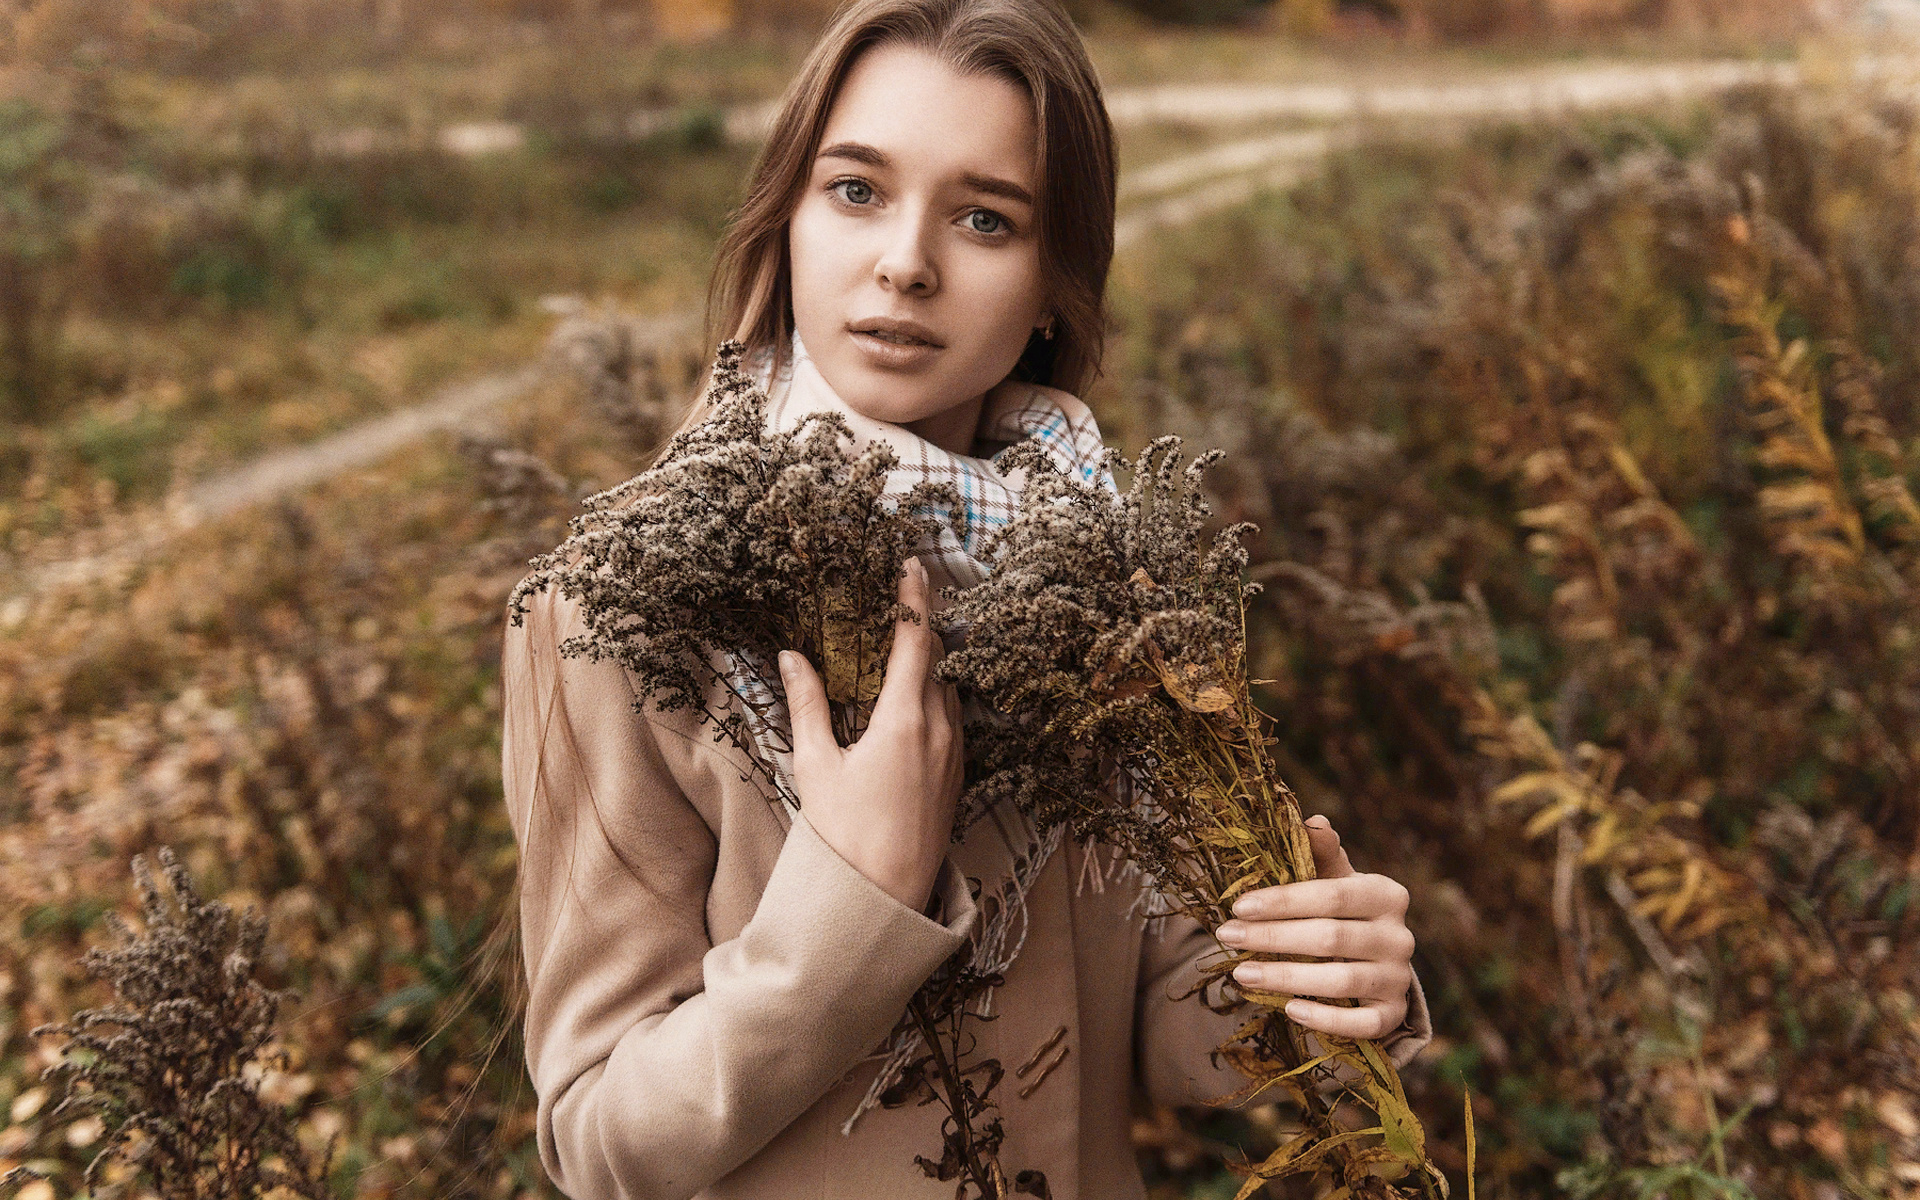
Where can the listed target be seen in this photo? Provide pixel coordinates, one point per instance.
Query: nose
(905, 263)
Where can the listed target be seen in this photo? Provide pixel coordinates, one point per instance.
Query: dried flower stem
(1116, 653)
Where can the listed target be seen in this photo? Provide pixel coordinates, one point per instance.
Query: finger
(934, 693)
(806, 708)
(1329, 860)
(936, 697)
(907, 661)
(1361, 896)
(1330, 981)
(1368, 1021)
(957, 745)
(936, 648)
(1324, 937)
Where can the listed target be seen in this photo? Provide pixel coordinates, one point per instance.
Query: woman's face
(916, 272)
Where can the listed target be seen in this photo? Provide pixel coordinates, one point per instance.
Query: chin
(885, 399)
(896, 397)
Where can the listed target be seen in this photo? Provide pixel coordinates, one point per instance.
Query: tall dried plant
(166, 1069)
(1804, 500)
(1113, 645)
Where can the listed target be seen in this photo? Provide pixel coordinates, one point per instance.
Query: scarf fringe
(1149, 904)
(765, 712)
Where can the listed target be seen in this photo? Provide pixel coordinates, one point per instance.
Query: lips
(897, 332)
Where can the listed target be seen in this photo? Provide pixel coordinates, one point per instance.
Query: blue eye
(993, 222)
(857, 191)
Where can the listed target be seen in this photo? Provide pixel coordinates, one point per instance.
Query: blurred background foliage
(1585, 453)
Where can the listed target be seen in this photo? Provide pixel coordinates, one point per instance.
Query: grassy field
(1506, 408)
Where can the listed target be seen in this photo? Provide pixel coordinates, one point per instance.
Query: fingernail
(786, 664)
(1296, 1010)
(1246, 972)
(1317, 819)
(920, 569)
(1243, 907)
(1232, 931)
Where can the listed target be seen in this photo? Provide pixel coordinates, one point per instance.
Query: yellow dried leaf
(1897, 1115)
(1300, 1155)
(1239, 1096)
(1797, 496)
(1552, 516)
(1704, 924)
(1248, 1092)
(1405, 1139)
(1239, 885)
(1653, 877)
(1551, 816)
(1400, 1129)
(1692, 875)
(1792, 358)
(1523, 787)
(1228, 837)
(1625, 465)
(854, 662)
(1197, 687)
(1466, 1098)
(1600, 838)
(1782, 454)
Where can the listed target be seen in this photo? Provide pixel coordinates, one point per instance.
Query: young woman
(715, 981)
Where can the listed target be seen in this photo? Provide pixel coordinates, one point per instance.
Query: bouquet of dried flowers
(1115, 650)
(738, 542)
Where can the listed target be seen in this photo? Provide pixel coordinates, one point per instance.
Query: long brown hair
(1031, 43)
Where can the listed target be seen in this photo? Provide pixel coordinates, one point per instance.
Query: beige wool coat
(710, 987)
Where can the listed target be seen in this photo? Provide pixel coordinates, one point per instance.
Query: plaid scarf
(1065, 429)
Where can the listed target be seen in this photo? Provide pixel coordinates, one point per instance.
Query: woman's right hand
(885, 803)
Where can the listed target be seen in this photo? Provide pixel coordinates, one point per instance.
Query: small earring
(1046, 331)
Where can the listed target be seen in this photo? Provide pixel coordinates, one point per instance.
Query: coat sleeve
(662, 1061)
(1174, 1037)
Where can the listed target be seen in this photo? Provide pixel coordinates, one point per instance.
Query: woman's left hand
(1342, 914)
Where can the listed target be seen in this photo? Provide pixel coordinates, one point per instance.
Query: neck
(951, 429)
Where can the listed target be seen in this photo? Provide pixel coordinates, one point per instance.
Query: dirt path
(1165, 194)
(279, 473)
(1528, 92)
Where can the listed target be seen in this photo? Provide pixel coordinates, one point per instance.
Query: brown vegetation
(174, 1066)
(1585, 464)
(1624, 579)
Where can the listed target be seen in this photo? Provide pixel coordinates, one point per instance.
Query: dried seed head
(741, 539)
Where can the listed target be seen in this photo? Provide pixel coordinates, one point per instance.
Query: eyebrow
(992, 185)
